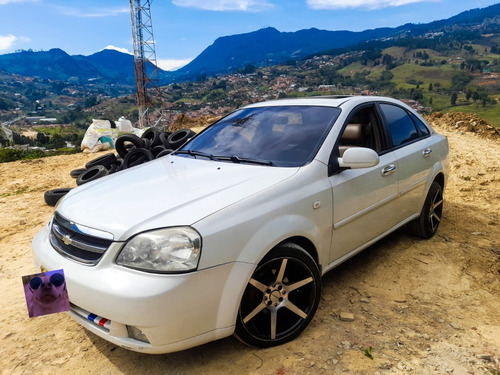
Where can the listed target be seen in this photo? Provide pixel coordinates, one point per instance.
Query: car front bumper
(173, 311)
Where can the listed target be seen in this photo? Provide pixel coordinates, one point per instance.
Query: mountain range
(227, 54)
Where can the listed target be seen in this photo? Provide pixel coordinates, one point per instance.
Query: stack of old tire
(132, 151)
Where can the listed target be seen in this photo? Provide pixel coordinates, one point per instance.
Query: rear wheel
(280, 299)
(426, 225)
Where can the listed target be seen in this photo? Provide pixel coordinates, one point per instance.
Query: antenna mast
(146, 70)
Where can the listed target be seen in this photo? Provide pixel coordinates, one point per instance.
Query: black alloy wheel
(280, 299)
(427, 224)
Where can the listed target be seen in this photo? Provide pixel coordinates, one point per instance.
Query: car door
(363, 198)
(411, 143)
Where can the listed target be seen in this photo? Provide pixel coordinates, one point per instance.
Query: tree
(430, 100)
(454, 99)
(57, 141)
(42, 139)
(249, 69)
(468, 94)
(430, 87)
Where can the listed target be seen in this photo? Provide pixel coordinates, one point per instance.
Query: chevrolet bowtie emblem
(67, 240)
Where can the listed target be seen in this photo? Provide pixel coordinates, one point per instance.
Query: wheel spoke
(255, 311)
(298, 284)
(435, 205)
(281, 273)
(274, 321)
(290, 306)
(434, 216)
(258, 285)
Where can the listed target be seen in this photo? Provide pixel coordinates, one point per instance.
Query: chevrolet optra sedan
(231, 233)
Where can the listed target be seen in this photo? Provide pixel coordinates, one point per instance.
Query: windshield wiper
(196, 153)
(238, 159)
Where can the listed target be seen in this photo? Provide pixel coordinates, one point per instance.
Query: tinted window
(400, 125)
(423, 129)
(284, 135)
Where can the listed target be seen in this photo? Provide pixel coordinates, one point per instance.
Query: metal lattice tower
(146, 70)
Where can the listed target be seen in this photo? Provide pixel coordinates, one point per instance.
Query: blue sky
(184, 28)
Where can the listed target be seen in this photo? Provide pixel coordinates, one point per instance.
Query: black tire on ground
(179, 138)
(157, 149)
(107, 160)
(137, 156)
(165, 152)
(153, 135)
(92, 174)
(77, 172)
(426, 225)
(116, 167)
(51, 197)
(122, 144)
(280, 299)
(164, 139)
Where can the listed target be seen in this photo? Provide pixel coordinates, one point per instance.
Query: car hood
(170, 191)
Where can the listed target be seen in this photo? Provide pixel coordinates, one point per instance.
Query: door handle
(390, 169)
(427, 152)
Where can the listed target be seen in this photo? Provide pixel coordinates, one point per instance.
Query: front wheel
(426, 225)
(280, 299)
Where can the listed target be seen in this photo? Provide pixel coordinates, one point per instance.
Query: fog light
(137, 334)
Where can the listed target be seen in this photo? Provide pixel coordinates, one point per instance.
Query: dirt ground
(424, 307)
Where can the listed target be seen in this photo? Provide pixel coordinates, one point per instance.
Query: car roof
(328, 101)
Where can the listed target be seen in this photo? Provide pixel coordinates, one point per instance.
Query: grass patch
(18, 192)
(427, 74)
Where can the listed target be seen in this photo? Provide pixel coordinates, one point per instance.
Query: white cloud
(170, 65)
(8, 42)
(369, 4)
(226, 5)
(119, 49)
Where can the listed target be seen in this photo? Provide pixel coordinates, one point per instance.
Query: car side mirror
(358, 157)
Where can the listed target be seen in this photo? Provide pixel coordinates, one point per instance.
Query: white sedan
(231, 233)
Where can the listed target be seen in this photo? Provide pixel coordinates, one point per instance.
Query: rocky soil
(423, 307)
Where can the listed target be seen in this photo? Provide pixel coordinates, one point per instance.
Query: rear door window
(401, 127)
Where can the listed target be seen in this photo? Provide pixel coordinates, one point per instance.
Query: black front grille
(69, 240)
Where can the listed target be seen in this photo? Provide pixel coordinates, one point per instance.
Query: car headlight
(163, 250)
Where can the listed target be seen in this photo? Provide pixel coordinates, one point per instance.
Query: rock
(454, 326)
(486, 357)
(346, 317)
(364, 300)
(346, 345)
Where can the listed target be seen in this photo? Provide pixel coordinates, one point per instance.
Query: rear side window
(400, 125)
(423, 129)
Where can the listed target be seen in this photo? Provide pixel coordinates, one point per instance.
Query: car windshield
(285, 136)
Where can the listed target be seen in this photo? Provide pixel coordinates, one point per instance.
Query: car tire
(426, 225)
(273, 311)
(165, 152)
(107, 160)
(164, 139)
(92, 174)
(179, 138)
(136, 157)
(157, 149)
(153, 136)
(77, 172)
(122, 144)
(51, 197)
